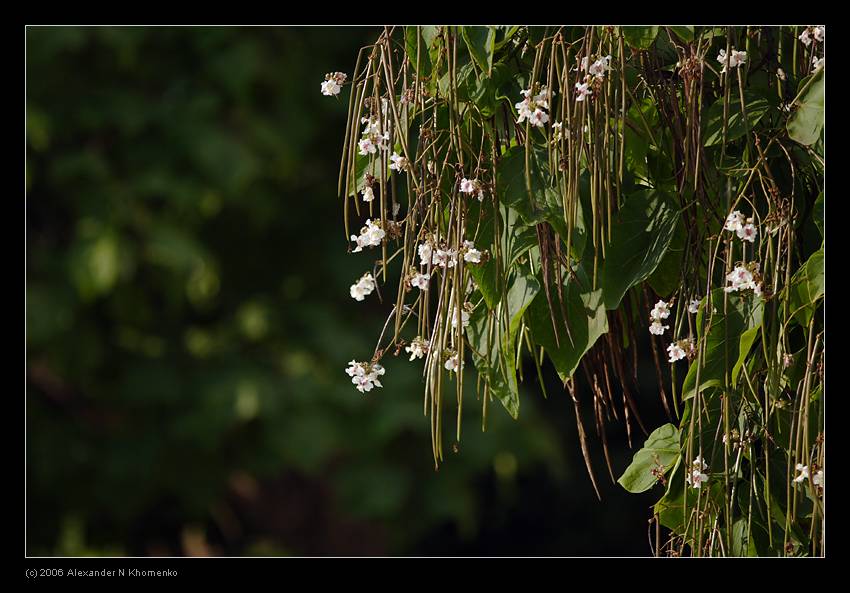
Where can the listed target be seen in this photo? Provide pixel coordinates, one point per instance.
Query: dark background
(189, 323)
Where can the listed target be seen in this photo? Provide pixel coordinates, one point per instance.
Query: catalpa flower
(418, 348)
(452, 363)
(426, 254)
(445, 258)
(657, 329)
(467, 186)
(734, 222)
(420, 281)
(732, 60)
(399, 163)
(676, 352)
(370, 236)
(363, 287)
(741, 278)
(557, 126)
(697, 476)
(367, 146)
(599, 67)
(747, 232)
(368, 194)
(364, 375)
(583, 90)
(693, 306)
(817, 479)
(531, 108)
(467, 307)
(333, 83)
(470, 253)
(817, 62)
(802, 473)
(661, 310)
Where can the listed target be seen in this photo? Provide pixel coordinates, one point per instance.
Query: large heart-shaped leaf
(640, 237)
(806, 122)
(658, 455)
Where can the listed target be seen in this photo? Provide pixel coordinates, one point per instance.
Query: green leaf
(685, 33)
(659, 452)
(495, 358)
(667, 275)
(723, 340)
(481, 42)
(639, 240)
(757, 106)
(817, 213)
(807, 287)
(806, 121)
(640, 37)
(585, 314)
(412, 36)
(747, 340)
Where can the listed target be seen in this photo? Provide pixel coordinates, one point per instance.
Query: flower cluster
(368, 193)
(472, 186)
(660, 311)
(365, 375)
(370, 235)
(817, 33)
(744, 278)
(363, 287)
(470, 254)
(418, 348)
(333, 83)
(732, 60)
(532, 108)
(598, 68)
(802, 473)
(681, 349)
(697, 476)
(743, 227)
(375, 135)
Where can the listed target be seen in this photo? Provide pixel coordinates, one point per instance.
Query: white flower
(418, 348)
(599, 67)
(471, 254)
(445, 258)
(584, 63)
(740, 279)
(426, 254)
(806, 37)
(531, 108)
(693, 306)
(657, 329)
(364, 375)
(452, 363)
(468, 186)
(330, 88)
(367, 146)
(399, 163)
(817, 62)
(464, 318)
(660, 311)
(747, 232)
(370, 236)
(583, 90)
(368, 194)
(557, 126)
(363, 287)
(734, 222)
(734, 59)
(802, 473)
(820, 32)
(817, 479)
(697, 476)
(676, 352)
(539, 117)
(420, 281)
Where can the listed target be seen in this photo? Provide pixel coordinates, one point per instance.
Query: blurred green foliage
(189, 322)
